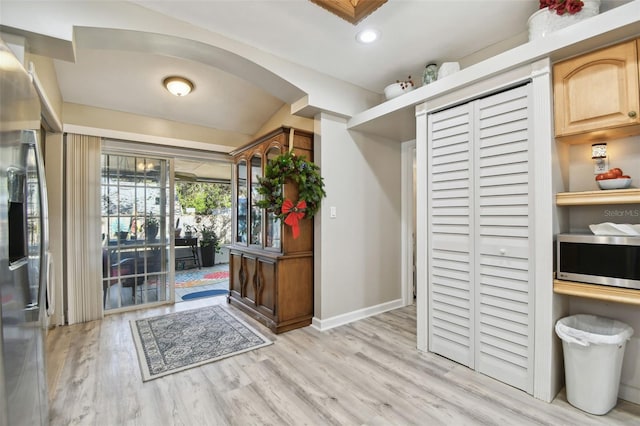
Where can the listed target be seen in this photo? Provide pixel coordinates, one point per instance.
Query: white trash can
(593, 351)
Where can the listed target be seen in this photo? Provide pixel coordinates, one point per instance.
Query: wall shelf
(612, 196)
(600, 292)
(395, 118)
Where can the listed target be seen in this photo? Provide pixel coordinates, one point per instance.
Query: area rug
(199, 277)
(205, 293)
(175, 342)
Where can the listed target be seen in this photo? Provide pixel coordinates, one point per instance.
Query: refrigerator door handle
(50, 277)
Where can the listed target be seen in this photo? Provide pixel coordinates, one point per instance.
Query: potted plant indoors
(209, 245)
(151, 227)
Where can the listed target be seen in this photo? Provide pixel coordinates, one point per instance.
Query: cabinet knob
(503, 251)
(632, 114)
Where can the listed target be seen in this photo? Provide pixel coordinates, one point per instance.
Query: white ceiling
(127, 77)
(413, 32)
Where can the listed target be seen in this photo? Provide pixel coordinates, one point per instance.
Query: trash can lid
(584, 330)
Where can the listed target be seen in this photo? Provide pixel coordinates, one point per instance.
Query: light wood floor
(364, 373)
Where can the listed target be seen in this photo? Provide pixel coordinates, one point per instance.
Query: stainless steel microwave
(597, 259)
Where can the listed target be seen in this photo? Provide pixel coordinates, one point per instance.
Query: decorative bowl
(619, 183)
(395, 89)
(543, 22)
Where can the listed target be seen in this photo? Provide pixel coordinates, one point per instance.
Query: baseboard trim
(342, 319)
(629, 393)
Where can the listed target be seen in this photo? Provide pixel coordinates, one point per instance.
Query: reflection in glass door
(136, 249)
(272, 225)
(241, 214)
(256, 212)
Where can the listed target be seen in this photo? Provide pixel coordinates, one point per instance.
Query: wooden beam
(352, 11)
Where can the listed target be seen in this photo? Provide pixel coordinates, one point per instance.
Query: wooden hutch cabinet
(271, 273)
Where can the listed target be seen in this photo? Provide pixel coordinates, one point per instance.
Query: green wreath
(297, 169)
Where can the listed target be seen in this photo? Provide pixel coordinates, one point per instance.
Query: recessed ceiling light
(367, 36)
(178, 86)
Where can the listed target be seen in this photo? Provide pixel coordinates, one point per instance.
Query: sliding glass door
(136, 230)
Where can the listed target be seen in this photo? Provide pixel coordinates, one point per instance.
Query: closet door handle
(632, 114)
(503, 252)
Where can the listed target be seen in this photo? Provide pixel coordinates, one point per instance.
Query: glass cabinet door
(241, 203)
(272, 226)
(256, 212)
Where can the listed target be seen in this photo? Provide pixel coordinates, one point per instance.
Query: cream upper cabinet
(596, 95)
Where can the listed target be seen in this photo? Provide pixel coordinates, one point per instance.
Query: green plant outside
(208, 238)
(203, 196)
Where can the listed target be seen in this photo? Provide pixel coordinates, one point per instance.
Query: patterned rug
(175, 342)
(197, 277)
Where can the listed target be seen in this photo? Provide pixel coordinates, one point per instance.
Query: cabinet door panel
(236, 272)
(597, 90)
(266, 300)
(502, 241)
(250, 287)
(295, 289)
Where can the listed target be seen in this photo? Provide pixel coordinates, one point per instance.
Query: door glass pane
(272, 227)
(256, 212)
(135, 212)
(241, 205)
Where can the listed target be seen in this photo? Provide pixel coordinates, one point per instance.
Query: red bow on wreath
(294, 214)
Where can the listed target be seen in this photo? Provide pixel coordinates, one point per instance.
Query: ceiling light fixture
(178, 86)
(367, 36)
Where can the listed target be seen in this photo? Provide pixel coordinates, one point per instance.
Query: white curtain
(82, 228)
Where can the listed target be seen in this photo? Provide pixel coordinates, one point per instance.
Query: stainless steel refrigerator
(23, 250)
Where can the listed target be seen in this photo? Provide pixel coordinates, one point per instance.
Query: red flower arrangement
(562, 6)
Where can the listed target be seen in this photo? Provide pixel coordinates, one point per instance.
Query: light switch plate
(601, 167)
(332, 212)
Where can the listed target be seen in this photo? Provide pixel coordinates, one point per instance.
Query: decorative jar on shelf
(430, 74)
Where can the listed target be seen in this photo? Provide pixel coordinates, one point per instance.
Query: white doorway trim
(407, 180)
(421, 233)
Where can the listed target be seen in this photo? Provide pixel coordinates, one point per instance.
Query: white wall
(622, 153)
(358, 253)
(625, 154)
(87, 120)
(284, 118)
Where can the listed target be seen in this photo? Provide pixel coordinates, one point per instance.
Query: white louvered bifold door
(504, 300)
(450, 266)
(478, 257)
